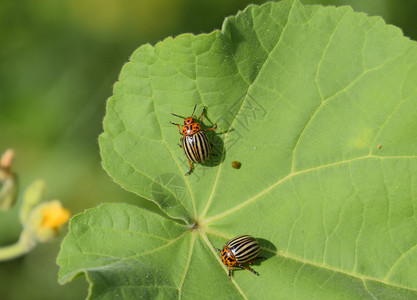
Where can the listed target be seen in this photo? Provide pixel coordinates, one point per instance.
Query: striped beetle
(194, 141)
(239, 250)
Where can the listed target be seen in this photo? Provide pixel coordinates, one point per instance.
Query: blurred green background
(58, 62)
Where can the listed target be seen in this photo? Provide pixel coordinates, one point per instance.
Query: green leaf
(319, 105)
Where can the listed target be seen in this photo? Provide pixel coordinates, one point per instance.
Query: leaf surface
(319, 105)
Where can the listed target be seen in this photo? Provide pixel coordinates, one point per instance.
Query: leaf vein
(293, 174)
(152, 180)
(332, 269)
(187, 264)
(240, 109)
(331, 36)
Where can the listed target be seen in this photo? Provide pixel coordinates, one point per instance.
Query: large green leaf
(320, 107)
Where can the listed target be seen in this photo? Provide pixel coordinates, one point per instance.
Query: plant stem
(21, 247)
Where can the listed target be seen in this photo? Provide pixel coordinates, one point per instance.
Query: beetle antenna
(194, 110)
(178, 116)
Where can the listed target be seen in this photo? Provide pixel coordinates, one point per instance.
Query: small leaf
(319, 105)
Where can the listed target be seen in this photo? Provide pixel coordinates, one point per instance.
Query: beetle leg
(179, 128)
(191, 168)
(179, 145)
(230, 271)
(202, 113)
(249, 269)
(253, 261)
(213, 128)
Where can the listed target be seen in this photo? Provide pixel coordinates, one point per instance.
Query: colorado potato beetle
(239, 250)
(194, 141)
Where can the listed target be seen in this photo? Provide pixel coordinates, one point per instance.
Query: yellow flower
(54, 215)
(46, 219)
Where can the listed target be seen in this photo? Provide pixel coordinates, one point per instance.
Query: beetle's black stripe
(196, 147)
(187, 142)
(245, 248)
(202, 146)
(239, 239)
